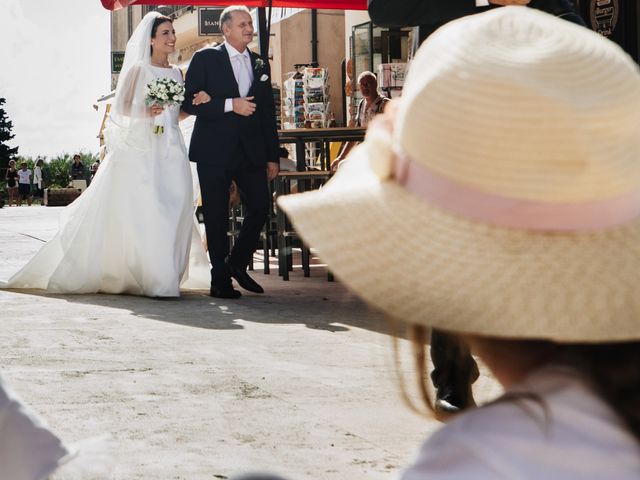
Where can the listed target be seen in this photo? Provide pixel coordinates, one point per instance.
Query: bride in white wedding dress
(133, 230)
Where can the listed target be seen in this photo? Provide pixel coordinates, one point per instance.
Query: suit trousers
(215, 182)
(453, 365)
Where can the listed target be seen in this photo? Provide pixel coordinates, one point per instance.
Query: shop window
(372, 46)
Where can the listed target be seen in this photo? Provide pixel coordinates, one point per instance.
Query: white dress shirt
(236, 64)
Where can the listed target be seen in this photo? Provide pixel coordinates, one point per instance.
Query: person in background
(286, 164)
(519, 236)
(77, 168)
(12, 183)
(94, 168)
(371, 104)
(38, 183)
(24, 184)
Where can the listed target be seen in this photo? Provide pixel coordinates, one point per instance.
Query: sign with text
(209, 21)
(117, 58)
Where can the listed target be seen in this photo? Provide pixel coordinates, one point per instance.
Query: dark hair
(159, 21)
(156, 23)
(613, 369)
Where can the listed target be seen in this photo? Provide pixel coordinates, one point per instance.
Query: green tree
(56, 171)
(6, 153)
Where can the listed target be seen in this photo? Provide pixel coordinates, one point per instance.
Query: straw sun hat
(507, 201)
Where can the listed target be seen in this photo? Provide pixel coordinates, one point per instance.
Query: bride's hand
(156, 110)
(201, 97)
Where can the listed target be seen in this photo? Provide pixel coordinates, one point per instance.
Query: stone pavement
(298, 381)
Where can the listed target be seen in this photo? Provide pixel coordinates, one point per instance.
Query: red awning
(333, 4)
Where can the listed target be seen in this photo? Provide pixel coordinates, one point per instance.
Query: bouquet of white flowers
(164, 92)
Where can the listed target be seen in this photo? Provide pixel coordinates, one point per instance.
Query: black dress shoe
(244, 280)
(224, 292)
(451, 400)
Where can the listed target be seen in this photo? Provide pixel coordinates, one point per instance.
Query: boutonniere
(259, 64)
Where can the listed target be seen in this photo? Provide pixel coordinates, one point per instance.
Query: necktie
(244, 78)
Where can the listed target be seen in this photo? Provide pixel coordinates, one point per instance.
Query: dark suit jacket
(216, 134)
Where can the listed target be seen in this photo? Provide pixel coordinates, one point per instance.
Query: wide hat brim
(422, 265)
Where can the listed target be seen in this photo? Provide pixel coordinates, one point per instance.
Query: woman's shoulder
(552, 426)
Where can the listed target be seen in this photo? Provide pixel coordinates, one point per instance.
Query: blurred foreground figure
(510, 180)
(30, 451)
(454, 370)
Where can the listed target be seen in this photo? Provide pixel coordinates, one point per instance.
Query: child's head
(506, 202)
(511, 170)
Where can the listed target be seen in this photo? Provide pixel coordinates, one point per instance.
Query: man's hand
(509, 2)
(200, 97)
(272, 170)
(244, 106)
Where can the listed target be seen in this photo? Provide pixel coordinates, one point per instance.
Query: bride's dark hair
(156, 23)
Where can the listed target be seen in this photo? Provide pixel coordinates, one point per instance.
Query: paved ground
(298, 381)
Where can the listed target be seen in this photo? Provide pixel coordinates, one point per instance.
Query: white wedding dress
(133, 230)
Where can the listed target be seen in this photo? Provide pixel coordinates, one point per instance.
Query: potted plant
(57, 196)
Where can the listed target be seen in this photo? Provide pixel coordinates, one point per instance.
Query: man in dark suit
(234, 138)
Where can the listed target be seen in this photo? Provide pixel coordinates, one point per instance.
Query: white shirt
(37, 176)
(582, 440)
(24, 176)
(236, 65)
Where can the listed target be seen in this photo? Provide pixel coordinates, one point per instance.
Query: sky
(54, 65)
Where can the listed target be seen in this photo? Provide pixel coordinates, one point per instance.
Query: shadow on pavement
(316, 304)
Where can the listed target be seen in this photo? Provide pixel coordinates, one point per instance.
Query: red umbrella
(264, 28)
(334, 4)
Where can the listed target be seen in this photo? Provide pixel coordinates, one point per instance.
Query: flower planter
(60, 197)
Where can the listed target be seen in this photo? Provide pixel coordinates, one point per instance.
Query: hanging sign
(117, 59)
(209, 21)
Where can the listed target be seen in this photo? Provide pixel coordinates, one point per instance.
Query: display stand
(306, 105)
